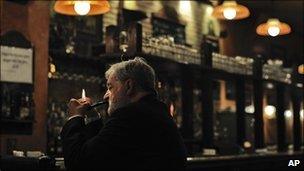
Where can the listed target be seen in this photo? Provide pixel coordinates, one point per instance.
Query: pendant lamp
(81, 7)
(230, 10)
(273, 27)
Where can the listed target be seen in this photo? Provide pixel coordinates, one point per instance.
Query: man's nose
(106, 95)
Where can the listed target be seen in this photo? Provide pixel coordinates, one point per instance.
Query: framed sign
(16, 64)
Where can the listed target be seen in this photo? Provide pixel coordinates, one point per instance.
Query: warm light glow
(247, 144)
(159, 84)
(249, 109)
(82, 7)
(83, 94)
(270, 111)
(273, 31)
(302, 114)
(287, 113)
(49, 75)
(301, 69)
(229, 13)
(209, 10)
(52, 68)
(269, 85)
(171, 109)
(299, 85)
(230, 10)
(273, 28)
(185, 7)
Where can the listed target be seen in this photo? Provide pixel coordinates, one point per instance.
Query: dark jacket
(140, 136)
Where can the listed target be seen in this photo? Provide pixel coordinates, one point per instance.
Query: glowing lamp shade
(230, 10)
(273, 28)
(67, 7)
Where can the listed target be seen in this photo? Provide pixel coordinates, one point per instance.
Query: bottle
(51, 129)
(32, 107)
(24, 106)
(15, 103)
(123, 41)
(5, 104)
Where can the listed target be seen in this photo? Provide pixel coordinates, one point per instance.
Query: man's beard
(113, 106)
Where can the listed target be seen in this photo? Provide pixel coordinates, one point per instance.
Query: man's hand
(78, 107)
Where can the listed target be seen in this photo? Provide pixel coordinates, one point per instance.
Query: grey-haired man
(139, 134)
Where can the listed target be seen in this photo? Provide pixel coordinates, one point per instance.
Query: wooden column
(187, 102)
(258, 103)
(187, 107)
(32, 20)
(207, 110)
(281, 127)
(240, 111)
(296, 101)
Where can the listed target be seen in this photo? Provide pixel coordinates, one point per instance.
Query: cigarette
(83, 95)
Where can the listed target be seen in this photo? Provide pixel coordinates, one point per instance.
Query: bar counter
(246, 162)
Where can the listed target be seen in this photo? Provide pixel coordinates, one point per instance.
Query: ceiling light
(82, 7)
(230, 10)
(67, 7)
(229, 13)
(273, 28)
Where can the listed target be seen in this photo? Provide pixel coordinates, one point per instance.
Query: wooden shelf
(116, 57)
(17, 121)
(16, 126)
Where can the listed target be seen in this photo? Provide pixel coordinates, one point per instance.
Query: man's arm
(83, 150)
(73, 138)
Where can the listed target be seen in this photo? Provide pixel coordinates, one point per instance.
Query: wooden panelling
(32, 20)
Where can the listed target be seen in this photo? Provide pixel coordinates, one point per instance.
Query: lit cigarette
(83, 95)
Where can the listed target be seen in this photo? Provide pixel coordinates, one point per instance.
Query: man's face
(116, 94)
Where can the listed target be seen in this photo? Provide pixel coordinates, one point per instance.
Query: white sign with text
(16, 64)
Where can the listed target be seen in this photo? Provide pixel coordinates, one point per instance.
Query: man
(139, 134)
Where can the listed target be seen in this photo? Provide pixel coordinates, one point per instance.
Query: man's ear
(130, 87)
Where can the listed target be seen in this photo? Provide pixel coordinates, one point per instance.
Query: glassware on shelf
(56, 118)
(76, 77)
(165, 47)
(274, 70)
(238, 64)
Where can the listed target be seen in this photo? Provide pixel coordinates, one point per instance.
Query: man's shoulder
(152, 106)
